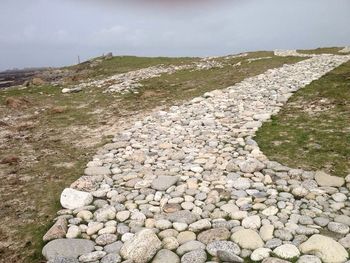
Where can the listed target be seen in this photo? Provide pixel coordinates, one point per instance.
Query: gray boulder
(68, 248)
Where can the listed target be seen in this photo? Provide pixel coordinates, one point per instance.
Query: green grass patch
(324, 50)
(312, 131)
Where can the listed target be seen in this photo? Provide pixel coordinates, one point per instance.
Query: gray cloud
(54, 32)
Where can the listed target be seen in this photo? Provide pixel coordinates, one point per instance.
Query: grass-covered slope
(313, 130)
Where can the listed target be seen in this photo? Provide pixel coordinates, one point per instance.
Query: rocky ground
(191, 185)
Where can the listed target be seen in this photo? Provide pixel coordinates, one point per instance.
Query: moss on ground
(312, 131)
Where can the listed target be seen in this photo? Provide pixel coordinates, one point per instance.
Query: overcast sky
(55, 32)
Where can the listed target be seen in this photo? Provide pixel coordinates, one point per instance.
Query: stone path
(191, 185)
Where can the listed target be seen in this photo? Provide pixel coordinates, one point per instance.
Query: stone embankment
(191, 185)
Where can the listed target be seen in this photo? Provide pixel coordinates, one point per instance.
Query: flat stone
(60, 259)
(166, 255)
(92, 256)
(200, 225)
(213, 234)
(72, 199)
(324, 179)
(111, 258)
(70, 248)
(171, 208)
(162, 183)
(170, 243)
(226, 256)
(241, 183)
(123, 216)
(189, 246)
(195, 256)
(287, 251)
(252, 222)
(327, 249)
(251, 165)
(106, 239)
(260, 254)
(345, 241)
(274, 260)
(266, 232)
(185, 236)
(228, 246)
(229, 208)
(283, 234)
(57, 231)
(339, 197)
(338, 228)
(105, 214)
(273, 243)
(183, 216)
(247, 238)
(270, 211)
(309, 259)
(142, 247)
(162, 224)
(73, 232)
(344, 219)
(321, 221)
(114, 247)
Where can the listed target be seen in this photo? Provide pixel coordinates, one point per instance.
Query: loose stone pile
(130, 81)
(191, 185)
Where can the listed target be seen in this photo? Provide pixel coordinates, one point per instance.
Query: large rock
(324, 179)
(247, 238)
(162, 183)
(325, 248)
(69, 248)
(58, 230)
(72, 199)
(142, 247)
(166, 255)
